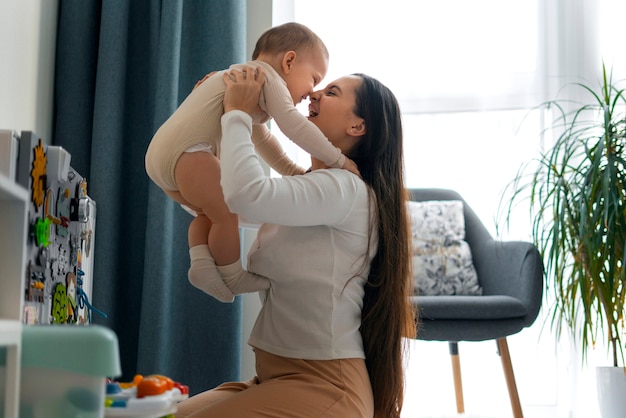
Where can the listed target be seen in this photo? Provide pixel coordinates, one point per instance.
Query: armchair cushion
(442, 259)
(491, 307)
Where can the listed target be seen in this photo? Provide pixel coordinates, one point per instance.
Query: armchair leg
(503, 350)
(456, 373)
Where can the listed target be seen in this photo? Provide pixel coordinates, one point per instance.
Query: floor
(551, 381)
(430, 388)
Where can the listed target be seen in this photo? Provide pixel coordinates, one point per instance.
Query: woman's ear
(357, 129)
(289, 59)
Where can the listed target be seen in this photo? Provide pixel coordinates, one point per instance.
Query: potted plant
(576, 192)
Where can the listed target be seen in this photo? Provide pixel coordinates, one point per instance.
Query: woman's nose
(314, 95)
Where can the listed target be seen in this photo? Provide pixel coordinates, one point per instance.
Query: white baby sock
(240, 281)
(204, 274)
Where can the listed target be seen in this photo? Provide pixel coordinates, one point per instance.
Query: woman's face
(331, 109)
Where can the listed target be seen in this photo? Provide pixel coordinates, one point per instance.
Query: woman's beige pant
(289, 388)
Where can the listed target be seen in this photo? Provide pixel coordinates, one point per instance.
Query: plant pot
(611, 385)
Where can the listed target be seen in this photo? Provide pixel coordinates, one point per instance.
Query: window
(436, 56)
(467, 75)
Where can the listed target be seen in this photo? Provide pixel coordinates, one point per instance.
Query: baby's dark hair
(288, 37)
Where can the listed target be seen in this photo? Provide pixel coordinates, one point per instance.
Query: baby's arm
(272, 152)
(299, 129)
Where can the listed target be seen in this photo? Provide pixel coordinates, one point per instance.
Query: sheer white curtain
(467, 74)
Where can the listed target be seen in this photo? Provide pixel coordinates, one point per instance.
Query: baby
(183, 156)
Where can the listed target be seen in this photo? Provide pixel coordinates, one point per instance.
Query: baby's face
(309, 68)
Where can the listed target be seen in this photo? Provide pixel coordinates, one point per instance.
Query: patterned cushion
(442, 260)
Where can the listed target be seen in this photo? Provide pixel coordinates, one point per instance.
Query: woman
(335, 247)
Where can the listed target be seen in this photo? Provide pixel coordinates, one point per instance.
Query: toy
(61, 220)
(153, 396)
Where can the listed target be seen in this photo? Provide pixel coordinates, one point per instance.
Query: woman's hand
(243, 89)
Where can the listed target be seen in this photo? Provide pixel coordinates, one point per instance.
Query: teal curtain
(122, 67)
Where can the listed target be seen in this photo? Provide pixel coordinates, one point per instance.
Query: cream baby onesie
(197, 121)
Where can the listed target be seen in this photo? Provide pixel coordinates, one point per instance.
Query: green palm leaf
(575, 192)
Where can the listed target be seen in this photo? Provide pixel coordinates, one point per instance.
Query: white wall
(261, 10)
(27, 49)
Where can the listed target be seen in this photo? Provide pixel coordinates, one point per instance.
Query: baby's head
(297, 54)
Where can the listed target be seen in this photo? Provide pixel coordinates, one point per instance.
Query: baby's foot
(204, 274)
(240, 281)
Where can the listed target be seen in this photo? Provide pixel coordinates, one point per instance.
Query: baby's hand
(351, 167)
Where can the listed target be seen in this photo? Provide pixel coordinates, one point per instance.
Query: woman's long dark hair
(387, 315)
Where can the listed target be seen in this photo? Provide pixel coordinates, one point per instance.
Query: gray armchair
(511, 275)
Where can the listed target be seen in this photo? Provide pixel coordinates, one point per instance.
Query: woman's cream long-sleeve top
(312, 245)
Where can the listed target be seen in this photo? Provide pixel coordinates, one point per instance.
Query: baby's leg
(198, 178)
(221, 282)
(203, 273)
(198, 233)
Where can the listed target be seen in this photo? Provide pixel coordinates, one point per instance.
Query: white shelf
(13, 224)
(10, 190)
(10, 332)
(13, 239)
